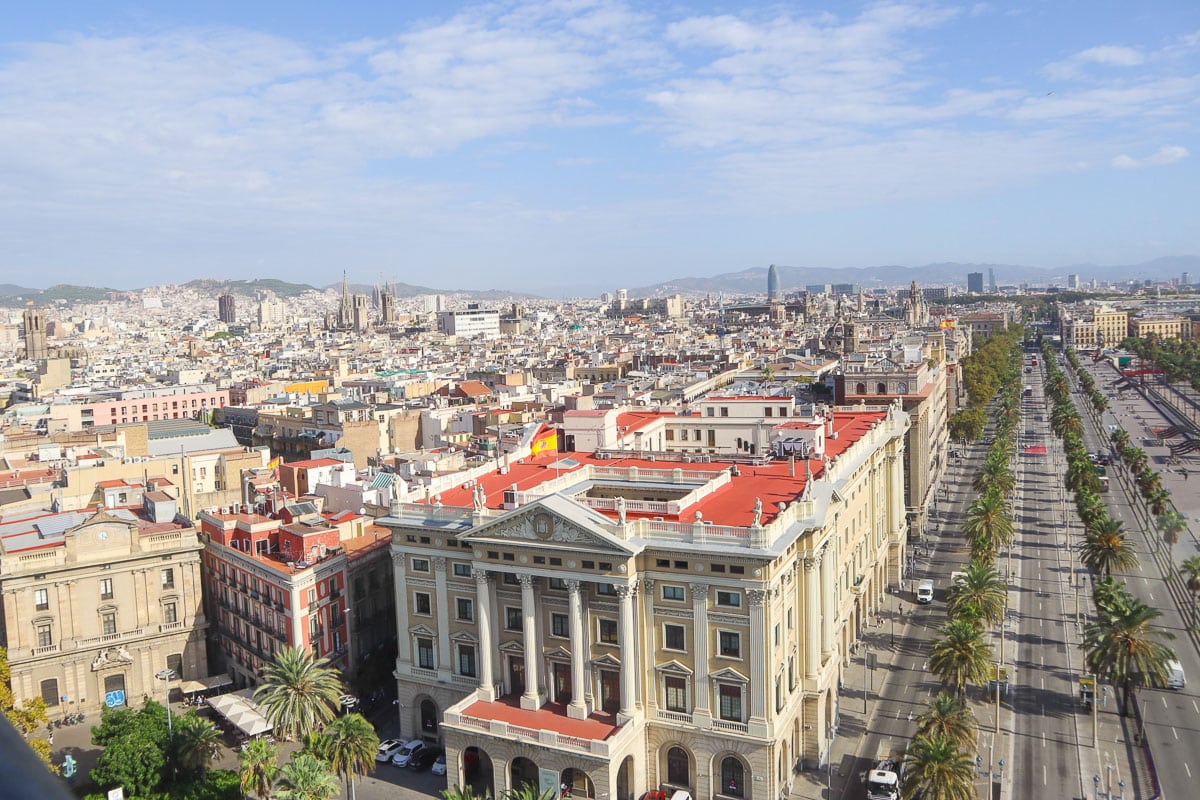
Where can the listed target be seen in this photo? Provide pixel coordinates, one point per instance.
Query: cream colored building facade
(1086, 327)
(1162, 327)
(97, 603)
(620, 624)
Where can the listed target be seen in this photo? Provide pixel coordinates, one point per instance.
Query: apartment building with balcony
(97, 601)
(615, 623)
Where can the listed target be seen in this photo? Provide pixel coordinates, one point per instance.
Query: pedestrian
(51, 738)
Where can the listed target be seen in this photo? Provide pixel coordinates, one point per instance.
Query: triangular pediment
(463, 636)
(512, 647)
(555, 522)
(729, 676)
(674, 668)
(606, 660)
(421, 630)
(559, 653)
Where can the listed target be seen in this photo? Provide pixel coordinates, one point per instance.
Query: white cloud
(1167, 154)
(1107, 55)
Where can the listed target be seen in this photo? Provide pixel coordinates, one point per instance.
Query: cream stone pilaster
(577, 709)
(628, 651)
(812, 614)
(702, 715)
(483, 592)
(531, 699)
(400, 591)
(758, 649)
(443, 619)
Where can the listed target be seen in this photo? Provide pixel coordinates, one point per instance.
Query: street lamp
(348, 702)
(166, 676)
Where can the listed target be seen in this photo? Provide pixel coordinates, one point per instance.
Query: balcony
(170, 626)
(44, 650)
(109, 638)
(679, 717)
(549, 726)
(732, 727)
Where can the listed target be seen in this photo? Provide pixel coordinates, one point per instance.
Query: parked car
(423, 759)
(405, 753)
(389, 748)
(439, 765)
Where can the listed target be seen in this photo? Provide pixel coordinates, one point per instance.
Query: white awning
(204, 684)
(241, 711)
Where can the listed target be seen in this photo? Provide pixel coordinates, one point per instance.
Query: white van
(925, 591)
(1175, 677)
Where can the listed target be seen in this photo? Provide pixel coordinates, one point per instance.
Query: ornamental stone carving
(699, 591)
(757, 597)
(439, 563)
(482, 576)
(526, 581)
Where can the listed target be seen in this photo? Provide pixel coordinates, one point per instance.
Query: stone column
(531, 699)
(483, 591)
(647, 686)
(445, 660)
(627, 633)
(702, 715)
(828, 611)
(400, 590)
(11, 612)
(812, 614)
(759, 678)
(578, 707)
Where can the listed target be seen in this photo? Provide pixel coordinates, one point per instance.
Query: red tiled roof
(550, 717)
(313, 463)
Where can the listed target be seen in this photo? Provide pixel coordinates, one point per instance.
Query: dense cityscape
(746, 546)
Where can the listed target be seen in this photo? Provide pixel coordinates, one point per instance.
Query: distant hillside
(409, 290)
(12, 295)
(249, 287)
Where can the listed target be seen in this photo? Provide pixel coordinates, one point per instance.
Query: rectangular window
(169, 614)
(41, 599)
(462, 570)
(606, 589)
(513, 619)
(672, 593)
(560, 625)
(675, 693)
(768, 411)
(425, 653)
(558, 584)
(106, 592)
(312, 596)
(44, 637)
(422, 604)
(731, 702)
(710, 412)
(510, 578)
(464, 609)
(729, 644)
(724, 411)
(108, 623)
(466, 660)
(168, 579)
(420, 565)
(608, 631)
(674, 637)
(729, 599)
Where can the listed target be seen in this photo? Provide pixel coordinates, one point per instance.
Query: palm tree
(935, 769)
(1124, 648)
(306, 777)
(1157, 497)
(258, 767)
(1112, 598)
(1120, 439)
(299, 693)
(196, 743)
(1191, 568)
(1171, 523)
(460, 793)
(979, 587)
(946, 717)
(960, 656)
(988, 520)
(1105, 550)
(349, 744)
(529, 791)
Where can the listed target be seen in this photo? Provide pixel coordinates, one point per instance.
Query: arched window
(678, 767)
(860, 388)
(732, 778)
(881, 388)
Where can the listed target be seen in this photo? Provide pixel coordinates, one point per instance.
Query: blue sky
(531, 145)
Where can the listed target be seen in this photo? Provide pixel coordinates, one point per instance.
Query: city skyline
(557, 141)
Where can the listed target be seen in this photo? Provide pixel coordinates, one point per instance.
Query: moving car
(925, 591)
(405, 753)
(439, 765)
(1175, 677)
(389, 748)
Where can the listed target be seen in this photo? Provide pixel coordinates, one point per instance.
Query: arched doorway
(522, 771)
(732, 778)
(578, 783)
(477, 772)
(429, 719)
(625, 779)
(677, 767)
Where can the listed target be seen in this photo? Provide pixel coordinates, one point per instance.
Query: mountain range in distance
(748, 281)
